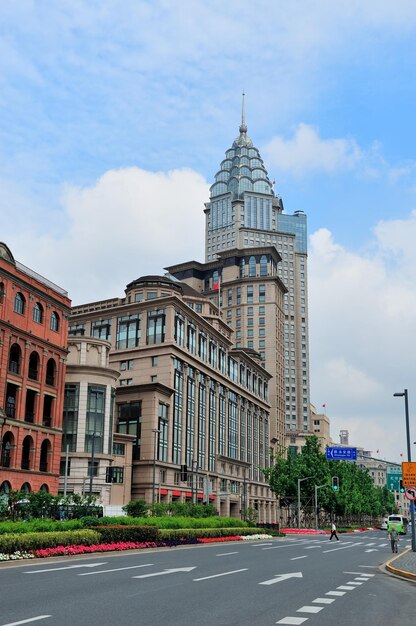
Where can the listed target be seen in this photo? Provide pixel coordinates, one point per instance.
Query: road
(296, 580)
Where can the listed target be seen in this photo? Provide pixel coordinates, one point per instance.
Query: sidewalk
(403, 565)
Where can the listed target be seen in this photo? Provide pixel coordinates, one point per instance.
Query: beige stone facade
(94, 460)
(187, 395)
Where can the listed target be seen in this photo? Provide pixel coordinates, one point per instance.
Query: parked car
(384, 523)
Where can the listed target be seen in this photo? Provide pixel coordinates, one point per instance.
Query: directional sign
(410, 493)
(341, 454)
(279, 577)
(409, 473)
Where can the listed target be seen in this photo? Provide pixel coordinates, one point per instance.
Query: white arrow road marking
(280, 577)
(236, 571)
(117, 569)
(57, 569)
(371, 550)
(166, 571)
(26, 621)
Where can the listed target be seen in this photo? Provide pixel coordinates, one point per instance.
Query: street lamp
(299, 481)
(155, 432)
(404, 395)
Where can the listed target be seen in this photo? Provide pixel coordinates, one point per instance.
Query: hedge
(202, 533)
(113, 534)
(39, 526)
(10, 543)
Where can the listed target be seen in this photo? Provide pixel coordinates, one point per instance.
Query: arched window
(15, 358)
(33, 366)
(2, 291)
(50, 372)
(26, 488)
(6, 449)
(38, 313)
(5, 488)
(44, 488)
(263, 265)
(252, 266)
(44, 455)
(27, 452)
(242, 264)
(19, 303)
(54, 321)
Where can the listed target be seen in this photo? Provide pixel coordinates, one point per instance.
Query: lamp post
(299, 481)
(316, 503)
(404, 394)
(155, 432)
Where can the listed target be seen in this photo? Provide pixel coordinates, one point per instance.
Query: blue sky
(115, 115)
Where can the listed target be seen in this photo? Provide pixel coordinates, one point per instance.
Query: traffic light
(402, 488)
(184, 473)
(335, 483)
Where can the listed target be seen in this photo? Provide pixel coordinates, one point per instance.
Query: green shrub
(39, 525)
(202, 533)
(136, 508)
(10, 543)
(127, 533)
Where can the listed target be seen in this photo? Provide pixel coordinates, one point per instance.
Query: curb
(400, 572)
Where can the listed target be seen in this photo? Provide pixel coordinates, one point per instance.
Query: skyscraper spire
(243, 127)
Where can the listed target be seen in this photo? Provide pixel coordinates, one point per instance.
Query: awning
(176, 493)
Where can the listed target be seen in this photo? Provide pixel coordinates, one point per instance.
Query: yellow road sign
(409, 473)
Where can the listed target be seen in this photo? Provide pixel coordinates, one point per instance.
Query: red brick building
(33, 347)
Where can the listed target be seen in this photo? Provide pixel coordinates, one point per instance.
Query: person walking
(394, 539)
(333, 532)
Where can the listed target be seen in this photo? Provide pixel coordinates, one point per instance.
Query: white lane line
(26, 621)
(295, 558)
(236, 571)
(226, 553)
(289, 545)
(292, 620)
(383, 545)
(362, 578)
(335, 593)
(345, 587)
(335, 549)
(324, 600)
(310, 609)
(358, 573)
(351, 582)
(117, 569)
(258, 545)
(312, 547)
(369, 567)
(68, 567)
(370, 544)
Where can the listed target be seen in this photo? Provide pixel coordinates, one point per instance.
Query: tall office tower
(244, 212)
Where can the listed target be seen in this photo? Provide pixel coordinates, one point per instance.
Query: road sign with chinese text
(409, 473)
(393, 477)
(341, 454)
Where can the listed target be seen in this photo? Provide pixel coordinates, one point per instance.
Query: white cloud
(362, 319)
(307, 152)
(129, 224)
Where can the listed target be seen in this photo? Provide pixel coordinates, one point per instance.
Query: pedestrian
(333, 532)
(394, 538)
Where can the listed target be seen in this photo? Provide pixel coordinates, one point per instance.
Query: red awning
(212, 497)
(188, 494)
(163, 492)
(176, 493)
(200, 496)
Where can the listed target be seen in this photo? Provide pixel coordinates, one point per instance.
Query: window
(262, 293)
(129, 423)
(156, 326)
(151, 295)
(94, 427)
(119, 449)
(117, 475)
(163, 433)
(38, 313)
(126, 365)
(263, 265)
(19, 303)
(252, 266)
(101, 329)
(179, 329)
(54, 325)
(154, 361)
(70, 418)
(77, 330)
(249, 294)
(128, 331)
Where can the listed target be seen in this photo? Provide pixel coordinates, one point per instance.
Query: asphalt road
(296, 580)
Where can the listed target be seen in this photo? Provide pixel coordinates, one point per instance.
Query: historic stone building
(33, 335)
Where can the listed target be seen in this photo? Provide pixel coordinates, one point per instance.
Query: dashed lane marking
(310, 609)
(292, 620)
(324, 600)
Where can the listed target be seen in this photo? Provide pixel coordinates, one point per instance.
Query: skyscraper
(245, 212)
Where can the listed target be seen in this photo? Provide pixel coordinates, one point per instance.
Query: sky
(116, 114)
